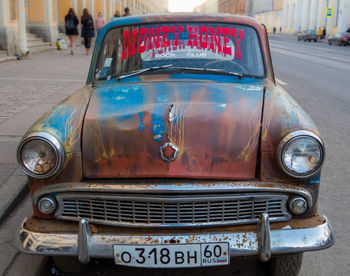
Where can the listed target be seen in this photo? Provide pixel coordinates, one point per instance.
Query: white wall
(262, 5)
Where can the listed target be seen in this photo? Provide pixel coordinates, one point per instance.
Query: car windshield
(156, 48)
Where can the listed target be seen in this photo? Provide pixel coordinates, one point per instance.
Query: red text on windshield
(201, 37)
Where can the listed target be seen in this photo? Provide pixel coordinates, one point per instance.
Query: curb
(14, 201)
(4, 59)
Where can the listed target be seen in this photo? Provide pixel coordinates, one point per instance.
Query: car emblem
(169, 152)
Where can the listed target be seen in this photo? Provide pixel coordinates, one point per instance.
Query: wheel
(69, 264)
(285, 265)
(315, 40)
(329, 43)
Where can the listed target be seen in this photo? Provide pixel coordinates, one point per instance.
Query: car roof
(183, 17)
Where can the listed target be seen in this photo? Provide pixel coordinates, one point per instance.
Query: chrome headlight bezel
(53, 142)
(292, 137)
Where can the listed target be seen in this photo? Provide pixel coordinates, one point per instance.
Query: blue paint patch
(59, 121)
(157, 127)
(141, 121)
(161, 103)
(120, 101)
(315, 180)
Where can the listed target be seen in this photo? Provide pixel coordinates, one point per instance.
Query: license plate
(172, 255)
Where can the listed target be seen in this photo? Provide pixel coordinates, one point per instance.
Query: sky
(184, 5)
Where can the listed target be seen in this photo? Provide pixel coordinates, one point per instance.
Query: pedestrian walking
(71, 22)
(126, 12)
(87, 32)
(324, 32)
(100, 21)
(116, 15)
(274, 30)
(281, 29)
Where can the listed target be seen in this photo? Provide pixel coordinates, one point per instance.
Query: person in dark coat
(324, 32)
(71, 24)
(126, 12)
(88, 30)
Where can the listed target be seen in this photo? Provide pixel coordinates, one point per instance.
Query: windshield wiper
(143, 70)
(220, 71)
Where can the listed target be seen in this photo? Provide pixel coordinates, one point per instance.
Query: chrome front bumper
(263, 242)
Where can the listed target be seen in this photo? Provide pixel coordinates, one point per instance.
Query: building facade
(232, 6)
(209, 6)
(45, 18)
(301, 15)
(269, 13)
(260, 6)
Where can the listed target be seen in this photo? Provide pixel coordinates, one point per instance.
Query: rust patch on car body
(216, 129)
(282, 115)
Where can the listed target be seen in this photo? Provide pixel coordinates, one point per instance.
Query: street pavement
(315, 74)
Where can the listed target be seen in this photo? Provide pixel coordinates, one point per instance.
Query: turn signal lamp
(47, 205)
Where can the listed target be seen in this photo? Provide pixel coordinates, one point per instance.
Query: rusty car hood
(214, 126)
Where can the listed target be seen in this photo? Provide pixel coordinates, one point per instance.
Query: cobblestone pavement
(28, 88)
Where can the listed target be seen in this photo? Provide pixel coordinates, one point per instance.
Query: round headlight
(40, 155)
(301, 154)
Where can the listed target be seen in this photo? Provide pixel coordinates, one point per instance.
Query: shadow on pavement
(238, 267)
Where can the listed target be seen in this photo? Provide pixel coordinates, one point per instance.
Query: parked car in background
(307, 35)
(181, 151)
(310, 35)
(341, 39)
(301, 35)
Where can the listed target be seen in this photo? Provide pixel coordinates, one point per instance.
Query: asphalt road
(317, 76)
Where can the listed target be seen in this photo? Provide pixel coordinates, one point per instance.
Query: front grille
(171, 211)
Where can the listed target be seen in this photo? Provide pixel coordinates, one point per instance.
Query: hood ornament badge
(169, 152)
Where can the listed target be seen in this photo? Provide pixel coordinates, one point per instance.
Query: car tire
(329, 43)
(315, 40)
(285, 265)
(69, 264)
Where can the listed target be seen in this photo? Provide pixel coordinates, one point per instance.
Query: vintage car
(180, 151)
(339, 39)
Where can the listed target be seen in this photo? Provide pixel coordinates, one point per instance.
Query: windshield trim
(263, 55)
